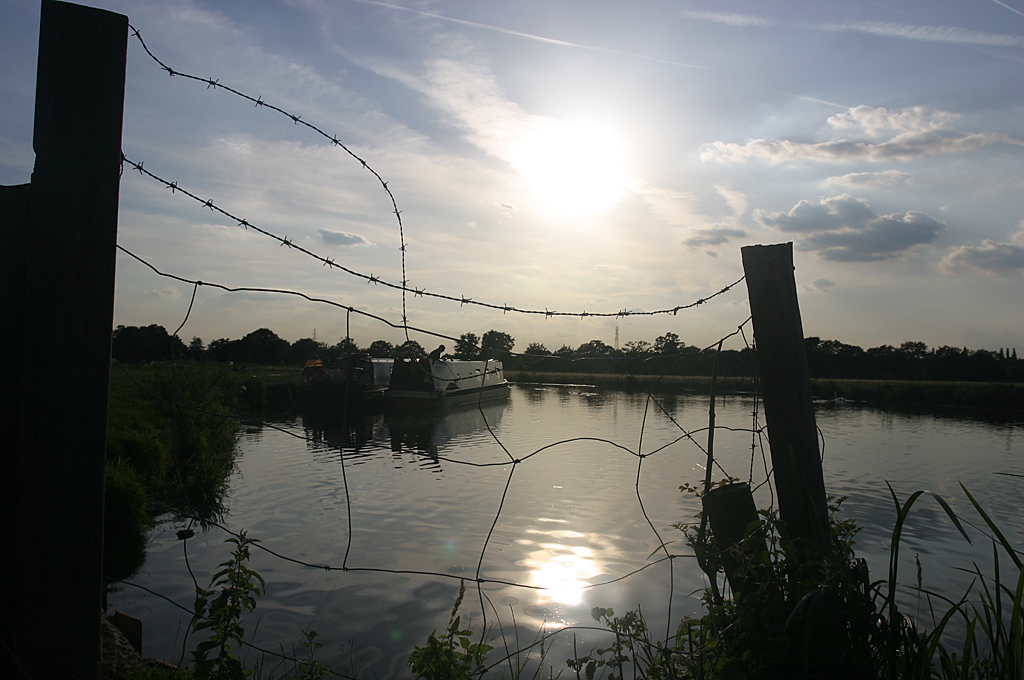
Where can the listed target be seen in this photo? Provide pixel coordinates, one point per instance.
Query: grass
(179, 458)
(826, 618)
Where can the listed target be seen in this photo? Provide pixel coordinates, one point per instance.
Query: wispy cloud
(943, 34)
(713, 237)
(729, 18)
(907, 146)
(888, 179)
(913, 133)
(342, 238)
(846, 229)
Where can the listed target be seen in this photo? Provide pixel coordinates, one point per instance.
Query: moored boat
(356, 379)
(433, 383)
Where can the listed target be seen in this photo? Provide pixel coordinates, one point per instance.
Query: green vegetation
(825, 619)
(453, 655)
(179, 458)
(797, 617)
(220, 614)
(219, 609)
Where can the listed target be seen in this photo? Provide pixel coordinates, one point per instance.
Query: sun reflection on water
(561, 565)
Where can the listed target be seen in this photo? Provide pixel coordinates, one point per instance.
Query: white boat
(419, 383)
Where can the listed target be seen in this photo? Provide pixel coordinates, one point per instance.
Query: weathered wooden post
(58, 257)
(786, 389)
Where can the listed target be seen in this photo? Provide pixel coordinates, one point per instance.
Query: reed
(831, 621)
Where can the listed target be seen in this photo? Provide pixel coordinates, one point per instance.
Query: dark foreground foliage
(175, 458)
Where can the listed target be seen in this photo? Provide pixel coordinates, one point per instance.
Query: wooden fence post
(60, 342)
(786, 389)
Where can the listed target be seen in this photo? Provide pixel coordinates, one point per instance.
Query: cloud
(166, 292)
(729, 18)
(906, 146)
(887, 29)
(846, 229)
(736, 200)
(943, 34)
(877, 121)
(990, 257)
(867, 133)
(822, 284)
(342, 238)
(713, 237)
(888, 179)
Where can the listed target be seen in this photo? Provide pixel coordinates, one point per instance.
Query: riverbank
(166, 459)
(886, 393)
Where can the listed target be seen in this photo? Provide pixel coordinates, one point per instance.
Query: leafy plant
(453, 655)
(309, 668)
(221, 614)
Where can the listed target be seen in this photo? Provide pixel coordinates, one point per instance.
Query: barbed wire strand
(297, 120)
(417, 292)
(391, 324)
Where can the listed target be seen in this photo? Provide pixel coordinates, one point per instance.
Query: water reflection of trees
(427, 436)
(341, 431)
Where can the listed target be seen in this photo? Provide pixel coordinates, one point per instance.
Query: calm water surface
(581, 508)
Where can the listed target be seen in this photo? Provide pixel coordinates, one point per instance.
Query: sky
(573, 156)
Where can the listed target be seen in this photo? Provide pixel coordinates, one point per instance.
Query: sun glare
(562, 571)
(574, 168)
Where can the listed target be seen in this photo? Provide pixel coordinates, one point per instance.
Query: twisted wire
(404, 287)
(297, 120)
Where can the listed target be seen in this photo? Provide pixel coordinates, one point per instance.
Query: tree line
(667, 354)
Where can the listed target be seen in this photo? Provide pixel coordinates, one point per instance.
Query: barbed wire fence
(514, 459)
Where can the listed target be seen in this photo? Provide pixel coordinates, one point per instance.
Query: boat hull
(431, 398)
(419, 384)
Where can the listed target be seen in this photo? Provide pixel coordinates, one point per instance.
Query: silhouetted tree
(263, 346)
(303, 348)
(346, 346)
(467, 346)
(638, 348)
(537, 348)
(595, 348)
(496, 344)
(410, 349)
(382, 349)
(196, 351)
(132, 344)
(223, 350)
(668, 344)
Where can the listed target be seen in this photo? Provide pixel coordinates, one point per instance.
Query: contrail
(1003, 4)
(530, 36)
(813, 99)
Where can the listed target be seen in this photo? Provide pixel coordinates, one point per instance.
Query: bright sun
(574, 168)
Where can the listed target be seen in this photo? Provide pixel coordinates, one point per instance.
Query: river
(445, 496)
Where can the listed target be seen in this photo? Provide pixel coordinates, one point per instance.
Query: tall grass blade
(952, 516)
(1015, 648)
(995, 529)
(894, 549)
